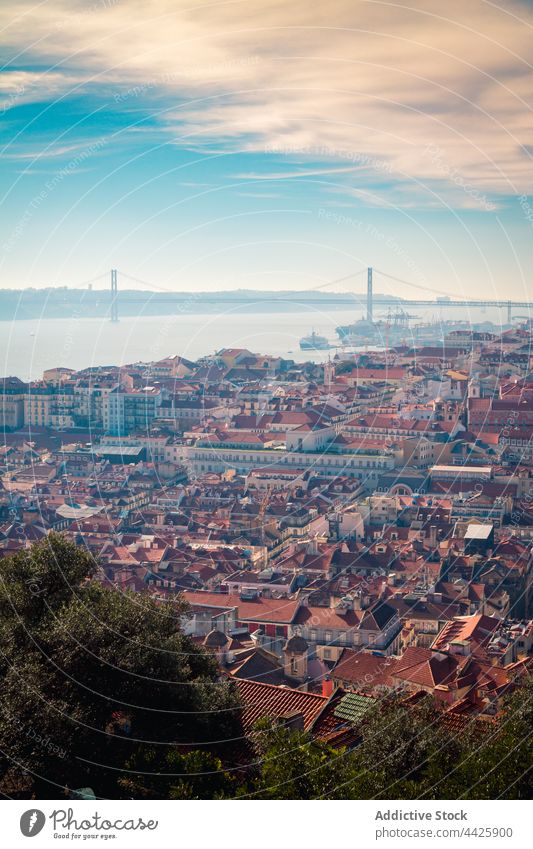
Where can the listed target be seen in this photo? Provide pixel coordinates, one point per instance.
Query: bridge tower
(114, 296)
(509, 312)
(369, 296)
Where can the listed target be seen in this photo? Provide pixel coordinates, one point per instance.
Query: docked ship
(396, 328)
(314, 342)
(365, 331)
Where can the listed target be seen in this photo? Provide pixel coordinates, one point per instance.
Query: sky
(268, 144)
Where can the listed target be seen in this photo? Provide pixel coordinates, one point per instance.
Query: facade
(363, 466)
(12, 395)
(49, 405)
(345, 625)
(127, 410)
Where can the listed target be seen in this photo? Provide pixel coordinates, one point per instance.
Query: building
(12, 395)
(128, 409)
(366, 466)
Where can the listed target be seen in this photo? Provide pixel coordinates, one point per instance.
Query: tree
(292, 765)
(92, 676)
(171, 774)
(498, 764)
(103, 689)
(405, 751)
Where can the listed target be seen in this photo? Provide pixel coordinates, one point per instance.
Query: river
(29, 347)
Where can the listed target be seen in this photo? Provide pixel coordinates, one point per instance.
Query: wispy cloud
(59, 151)
(292, 174)
(353, 83)
(266, 195)
(193, 184)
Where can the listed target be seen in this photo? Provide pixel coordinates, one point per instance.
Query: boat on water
(314, 342)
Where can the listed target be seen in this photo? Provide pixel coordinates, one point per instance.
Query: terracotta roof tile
(267, 700)
(479, 628)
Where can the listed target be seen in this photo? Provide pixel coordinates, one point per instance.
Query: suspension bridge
(441, 300)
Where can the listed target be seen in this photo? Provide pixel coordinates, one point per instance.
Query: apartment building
(12, 394)
(366, 465)
(50, 405)
(129, 409)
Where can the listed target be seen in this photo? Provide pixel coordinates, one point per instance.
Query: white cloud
(259, 195)
(370, 83)
(293, 174)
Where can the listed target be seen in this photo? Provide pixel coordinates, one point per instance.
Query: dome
(215, 639)
(296, 645)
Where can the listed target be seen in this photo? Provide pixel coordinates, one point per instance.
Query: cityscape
(338, 536)
(266, 418)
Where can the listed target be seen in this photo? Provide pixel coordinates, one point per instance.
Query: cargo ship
(396, 329)
(390, 330)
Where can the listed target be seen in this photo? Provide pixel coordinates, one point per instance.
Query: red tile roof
(458, 723)
(363, 670)
(426, 668)
(278, 610)
(328, 617)
(268, 700)
(479, 628)
(378, 374)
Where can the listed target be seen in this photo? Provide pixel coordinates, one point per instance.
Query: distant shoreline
(53, 303)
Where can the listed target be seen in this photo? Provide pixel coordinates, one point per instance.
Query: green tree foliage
(405, 753)
(500, 764)
(91, 676)
(172, 774)
(294, 766)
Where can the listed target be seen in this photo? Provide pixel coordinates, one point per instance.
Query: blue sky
(268, 145)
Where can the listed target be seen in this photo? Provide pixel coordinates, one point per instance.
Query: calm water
(28, 347)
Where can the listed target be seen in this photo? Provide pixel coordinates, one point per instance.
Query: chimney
(293, 721)
(459, 647)
(327, 687)
(433, 535)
